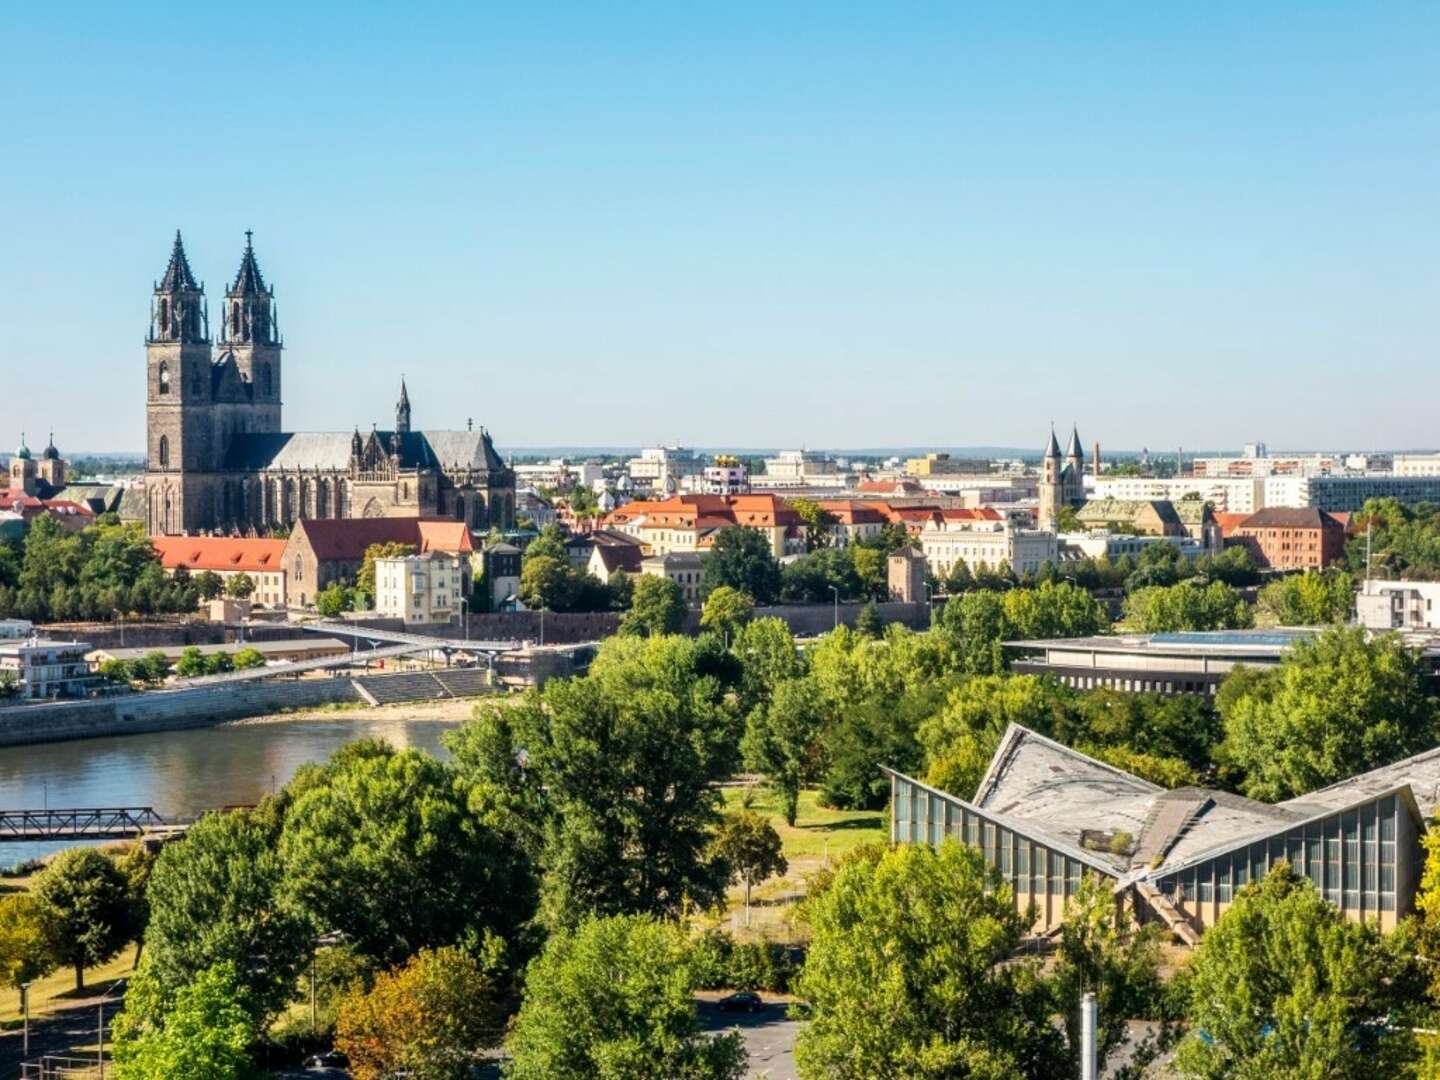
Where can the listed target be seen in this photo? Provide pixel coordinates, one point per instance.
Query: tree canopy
(657, 606)
(85, 909)
(630, 978)
(741, 558)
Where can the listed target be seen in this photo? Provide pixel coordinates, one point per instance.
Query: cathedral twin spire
(179, 311)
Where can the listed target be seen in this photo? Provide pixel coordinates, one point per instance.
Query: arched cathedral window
(164, 451)
(164, 377)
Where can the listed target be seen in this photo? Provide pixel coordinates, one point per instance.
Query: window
(164, 378)
(299, 569)
(164, 451)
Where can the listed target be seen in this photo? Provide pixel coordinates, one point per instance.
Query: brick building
(322, 551)
(1289, 538)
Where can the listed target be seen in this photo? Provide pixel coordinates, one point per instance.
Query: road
(769, 1038)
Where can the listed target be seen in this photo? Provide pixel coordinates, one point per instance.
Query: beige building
(988, 544)
(424, 588)
(685, 569)
(905, 575)
(935, 464)
(258, 558)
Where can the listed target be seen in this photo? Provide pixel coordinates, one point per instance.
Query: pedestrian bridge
(86, 823)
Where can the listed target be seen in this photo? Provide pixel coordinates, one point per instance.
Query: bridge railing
(79, 821)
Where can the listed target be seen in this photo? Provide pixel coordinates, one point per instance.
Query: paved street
(769, 1038)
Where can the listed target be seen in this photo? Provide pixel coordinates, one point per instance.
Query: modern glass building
(1044, 815)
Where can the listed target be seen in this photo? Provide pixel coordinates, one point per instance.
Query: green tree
(550, 544)
(741, 558)
(206, 1034)
(613, 999)
(248, 658)
(657, 606)
(240, 586)
(365, 579)
(871, 569)
(1284, 985)
(25, 952)
(868, 622)
(547, 582)
(616, 773)
(213, 899)
(725, 611)
(782, 740)
(85, 910)
(750, 846)
(191, 663)
(382, 845)
(768, 655)
(209, 585)
(1116, 960)
(1051, 610)
(152, 668)
(1311, 598)
(977, 621)
(1335, 706)
(333, 600)
(1186, 606)
(429, 1019)
(816, 520)
(911, 973)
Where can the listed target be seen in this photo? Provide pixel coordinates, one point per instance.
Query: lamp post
(100, 1028)
(120, 618)
(836, 591)
(25, 1019)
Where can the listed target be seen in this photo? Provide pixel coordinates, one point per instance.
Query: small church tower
(402, 409)
(1050, 490)
(250, 333)
(179, 435)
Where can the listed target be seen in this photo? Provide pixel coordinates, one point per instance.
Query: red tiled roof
(219, 553)
(346, 539)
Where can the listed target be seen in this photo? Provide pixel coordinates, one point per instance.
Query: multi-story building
(726, 475)
(940, 464)
(502, 575)
(322, 551)
(853, 521)
(685, 568)
(422, 588)
(905, 572)
(1348, 494)
(1062, 481)
(1398, 605)
(559, 474)
(1285, 538)
(44, 670)
(690, 522)
(988, 544)
(662, 468)
(1242, 495)
(262, 560)
(1416, 465)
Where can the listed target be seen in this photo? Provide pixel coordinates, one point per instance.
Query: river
(185, 772)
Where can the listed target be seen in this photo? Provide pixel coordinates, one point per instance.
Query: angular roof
(1052, 448)
(248, 281)
(1128, 510)
(219, 553)
(1289, 517)
(1074, 450)
(177, 274)
(345, 539)
(330, 450)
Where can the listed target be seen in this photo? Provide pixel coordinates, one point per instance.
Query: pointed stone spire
(1074, 450)
(402, 408)
(248, 281)
(1053, 449)
(178, 277)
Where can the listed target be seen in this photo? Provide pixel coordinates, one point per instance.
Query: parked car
(744, 1001)
(329, 1059)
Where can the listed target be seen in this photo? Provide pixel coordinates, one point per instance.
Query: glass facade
(1350, 856)
(1033, 870)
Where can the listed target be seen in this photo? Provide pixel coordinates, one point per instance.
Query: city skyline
(858, 230)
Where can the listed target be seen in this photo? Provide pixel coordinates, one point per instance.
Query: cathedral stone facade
(1062, 480)
(217, 460)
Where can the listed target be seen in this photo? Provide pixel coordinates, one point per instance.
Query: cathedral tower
(1051, 489)
(179, 437)
(402, 409)
(249, 333)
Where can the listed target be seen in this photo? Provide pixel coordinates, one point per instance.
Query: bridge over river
(88, 823)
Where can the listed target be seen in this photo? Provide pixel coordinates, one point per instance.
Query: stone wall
(810, 620)
(157, 635)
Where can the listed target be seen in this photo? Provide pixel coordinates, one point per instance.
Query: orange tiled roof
(218, 553)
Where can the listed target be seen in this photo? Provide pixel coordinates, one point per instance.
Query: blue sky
(744, 224)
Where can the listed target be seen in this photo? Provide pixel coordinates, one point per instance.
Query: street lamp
(25, 1013)
(100, 1030)
(834, 589)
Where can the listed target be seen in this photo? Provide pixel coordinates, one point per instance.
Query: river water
(186, 772)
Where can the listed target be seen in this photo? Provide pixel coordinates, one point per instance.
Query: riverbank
(448, 710)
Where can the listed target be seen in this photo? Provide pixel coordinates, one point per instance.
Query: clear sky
(743, 224)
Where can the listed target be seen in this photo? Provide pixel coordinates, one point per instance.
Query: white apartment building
(1225, 494)
(1416, 465)
(10, 629)
(559, 473)
(657, 464)
(1103, 544)
(1399, 605)
(44, 670)
(1347, 494)
(726, 475)
(424, 588)
(988, 544)
(793, 468)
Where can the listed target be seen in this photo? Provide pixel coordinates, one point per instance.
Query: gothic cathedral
(217, 460)
(1062, 480)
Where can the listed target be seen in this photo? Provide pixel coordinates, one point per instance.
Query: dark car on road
(744, 1001)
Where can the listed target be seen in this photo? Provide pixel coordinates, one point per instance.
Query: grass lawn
(57, 990)
(818, 836)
